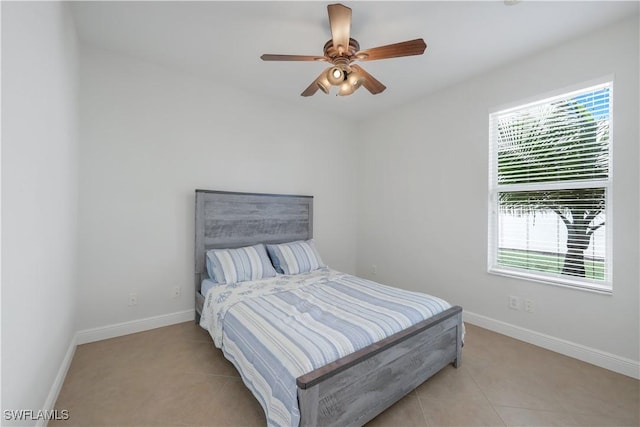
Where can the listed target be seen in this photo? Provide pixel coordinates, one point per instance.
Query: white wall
(423, 195)
(151, 136)
(39, 199)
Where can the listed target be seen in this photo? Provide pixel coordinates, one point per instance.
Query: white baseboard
(133, 326)
(50, 403)
(621, 365)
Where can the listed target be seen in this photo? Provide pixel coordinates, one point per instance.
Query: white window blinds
(549, 184)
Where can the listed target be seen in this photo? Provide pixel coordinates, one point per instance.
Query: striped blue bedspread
(274, 330)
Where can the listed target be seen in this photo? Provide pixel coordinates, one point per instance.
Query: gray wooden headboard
(232, 220)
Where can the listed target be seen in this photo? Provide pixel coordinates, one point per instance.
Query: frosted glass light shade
(335, 76)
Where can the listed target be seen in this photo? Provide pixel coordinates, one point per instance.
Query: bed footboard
(354, 389)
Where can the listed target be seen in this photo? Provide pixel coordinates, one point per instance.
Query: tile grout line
(424, 415)
(484, 395)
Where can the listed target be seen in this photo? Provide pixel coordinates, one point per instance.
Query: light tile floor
(174, 376)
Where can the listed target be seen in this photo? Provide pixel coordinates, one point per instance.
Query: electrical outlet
(177, 291)
(514, 302)
(374, 269)
(133, 299)
(528, 306)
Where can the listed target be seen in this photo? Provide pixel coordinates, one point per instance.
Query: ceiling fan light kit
(323, 83)
(341, 51)
(335, 75)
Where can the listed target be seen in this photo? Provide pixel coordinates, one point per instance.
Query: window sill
(602, 289)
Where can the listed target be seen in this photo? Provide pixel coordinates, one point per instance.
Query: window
(549, 187)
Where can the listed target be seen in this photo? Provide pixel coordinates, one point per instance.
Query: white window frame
(600, 286)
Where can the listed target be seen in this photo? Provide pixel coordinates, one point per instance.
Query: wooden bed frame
(354, 389)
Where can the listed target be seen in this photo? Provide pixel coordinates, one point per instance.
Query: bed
(356, 386)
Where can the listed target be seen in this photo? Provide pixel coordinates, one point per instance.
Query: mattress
(275, 330)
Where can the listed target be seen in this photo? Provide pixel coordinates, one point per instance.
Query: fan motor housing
(332, 51)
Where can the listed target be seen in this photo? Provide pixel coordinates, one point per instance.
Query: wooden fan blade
(370, 82)
(408, 48)
(314, 86)
(272, 57)
(340, 22)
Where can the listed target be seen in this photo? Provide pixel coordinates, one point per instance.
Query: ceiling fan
(341, 51)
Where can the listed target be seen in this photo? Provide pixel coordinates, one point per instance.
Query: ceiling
(223, 41)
